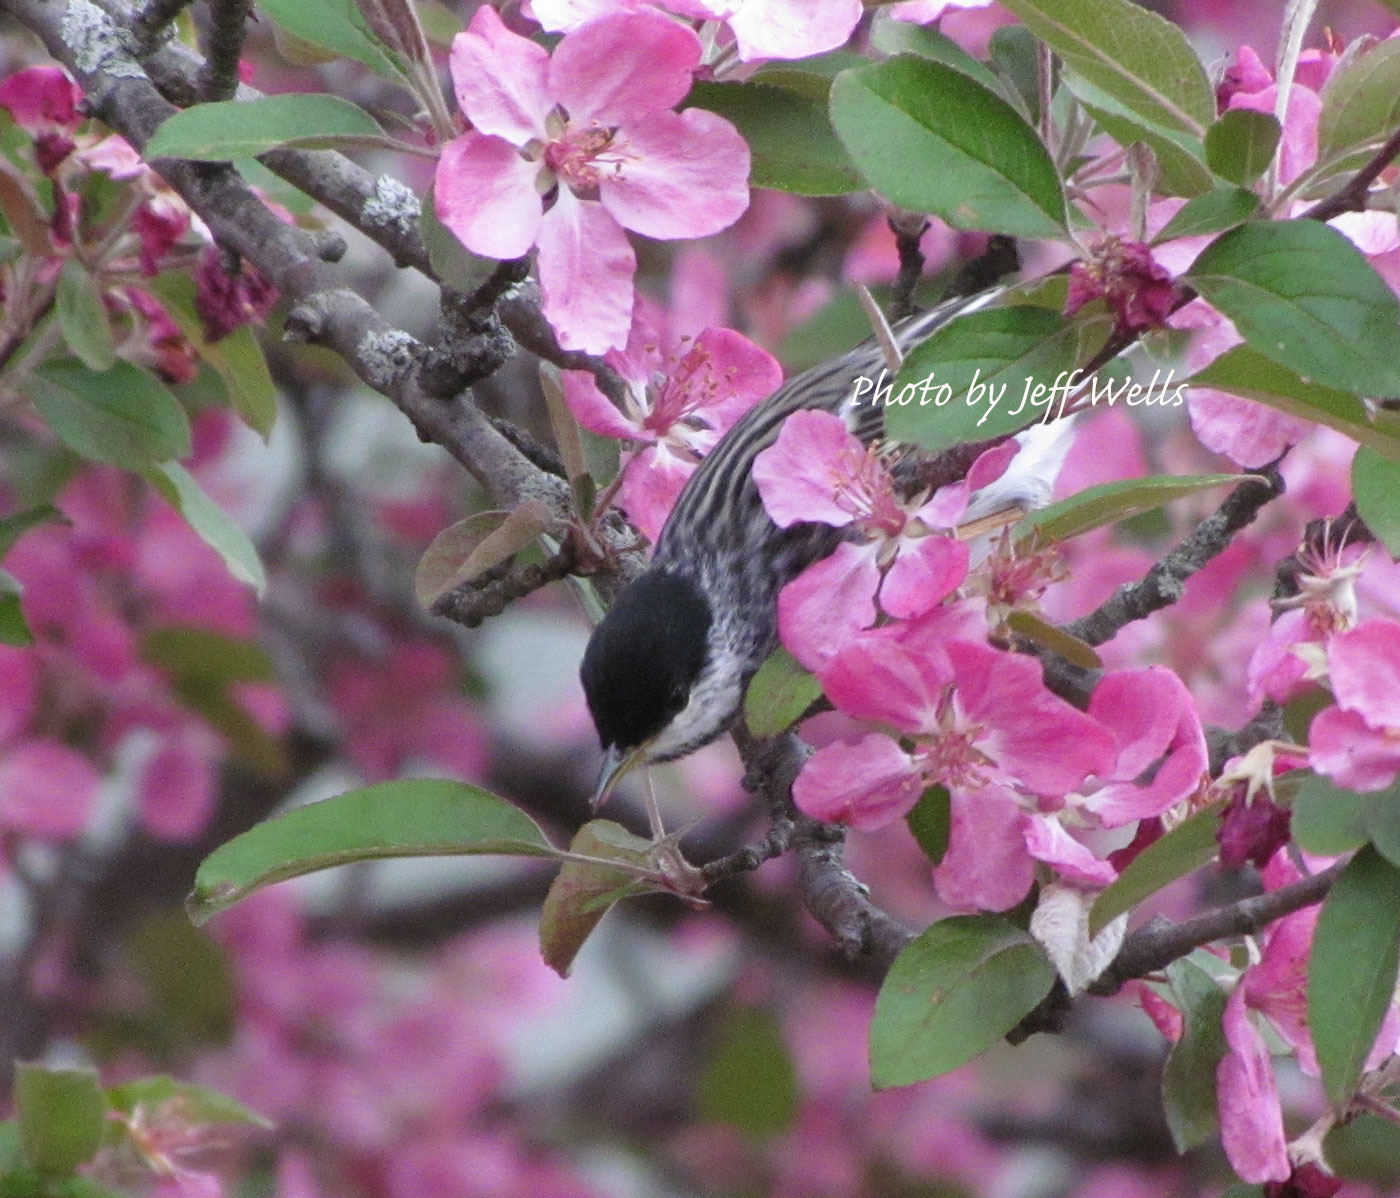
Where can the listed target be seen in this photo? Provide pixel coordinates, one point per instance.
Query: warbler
(665, 670)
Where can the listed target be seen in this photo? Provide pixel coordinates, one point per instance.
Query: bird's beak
(616, 763)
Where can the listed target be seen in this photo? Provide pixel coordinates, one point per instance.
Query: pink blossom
(226, 300)
(1251, 1121)
(760, 28)
(593, 122)
(46, 790)
(1138, 290)
(1357, 742)
(983, 725)
(922, 12)
(681, 397)
(44, 103)
(818, 471)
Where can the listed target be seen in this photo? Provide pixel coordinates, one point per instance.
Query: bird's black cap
(644, 658)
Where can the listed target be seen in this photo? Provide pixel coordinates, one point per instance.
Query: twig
(218, 80)
(907, 228)
(1352, 195)
(1160, 943)
(151, 21)
(1163, 583)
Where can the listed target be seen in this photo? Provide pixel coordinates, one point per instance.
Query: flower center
(582, 156)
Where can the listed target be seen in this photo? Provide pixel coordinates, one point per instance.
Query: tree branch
(218, 80)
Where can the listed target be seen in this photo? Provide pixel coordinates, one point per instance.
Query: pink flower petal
(986, 867)
(562, 16)
(824, 607)
(595, 411)
(1248, 433)
(651, 487)
(1049, 746)
(1352, 753)
(798, 474)
(1251, 1122)
(925, 573)
(686, 174)
(586, 267)
(877, 678)
(500, 79)
(749, 373)
(867, 784)
(42, 100)
(1048, 840)
(622, 67)
(19, 691)
(176, 789)
(790, 28)
(1364, 668)
(485, 193)
(46, 790)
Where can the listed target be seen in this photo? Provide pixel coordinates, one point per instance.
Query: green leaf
(1352, 969)
(1137, 57)
(931, 139)
(1109, 503)
(983, 367)
(15, 525)
(453, 264)
(14, 629)
(750, 1081)
(779, 694)
(1366, 1148)
(1015, 54)
(186, 977)
(215, 527)
(237, 358)
(208, 656)
(1188, 1078)
(1303, 296)
(903, 37)
(1381, 812)
(61, 1116)
(1360, 107)
(585, 891)
(960, 986)
(122, 416)
(1181, 157)
(1050, 636)
(232, 128)
(789, 136)
(1241, 144)
(931, 822)
(199, 1104)
(1375, 485)
(1246, 372)
(334, 25)
(416, 818)
(1327, 820)
(1187, 847)
(1213, 212)
(83, 317)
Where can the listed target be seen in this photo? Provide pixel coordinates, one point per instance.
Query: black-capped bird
(665, 670)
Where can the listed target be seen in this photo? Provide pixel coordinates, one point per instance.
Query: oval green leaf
(982, 369)
(1375, 484)
(1360, 107)
(83, 317)
(956, 990)
(1188, 1077)
(62, 1113)
(417, 818)
(1214, 212)
(1187, 847)
(235, 128)
(789, 134)
(335, 26)
(1108, 503)
(1327, 820)
(750, 1081)
(123, 416)
(1140, 59)
(214, 526)
(584, 891)
(778, 695)
(1352, 969)
(1241, 144)
(932, 139)
(1303, 296)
